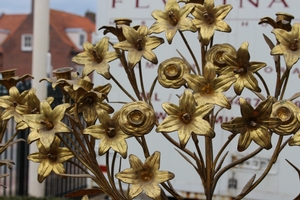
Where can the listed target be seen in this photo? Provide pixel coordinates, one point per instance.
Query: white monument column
(39, 71)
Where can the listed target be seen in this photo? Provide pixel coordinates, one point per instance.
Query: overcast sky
(73, 6)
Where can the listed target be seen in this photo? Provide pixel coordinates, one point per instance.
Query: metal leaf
(269, 42)
(295, 96)
(84, 192)
(186, 158)
(248, 185)
(222, 161)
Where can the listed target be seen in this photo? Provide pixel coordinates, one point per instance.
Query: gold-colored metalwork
(91, 113)
(145, 177)
(139, 44)
(173, 18)
(51, 159)
(96, 58)
(186, 117)
(209, 18)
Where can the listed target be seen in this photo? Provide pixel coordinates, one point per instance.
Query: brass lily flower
(137, 118)
(96, 58)
(209, 18)
(89, 100)
(187, 118)
(145, 177)
(209, 88)
(172, 19)
(288, 44)
(243, 70)
(139, 44)
(288, 113)
(170, 72)
(15, 104)
(51, 159)
(45, 125)
(110, 134)
(255, 124)
(9, 79)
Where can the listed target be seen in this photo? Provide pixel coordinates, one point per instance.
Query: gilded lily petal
(288, 44)
(50, 158)
(110, 134)
(138, 44)
(172, 19)
(254, 125)
(96, 58)
(44, 126)
(187, 118)
(145, 176)
(208, 89)
(243, 70)
(209, 18)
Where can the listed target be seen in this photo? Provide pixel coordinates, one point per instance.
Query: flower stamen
(97, 58)
(209, 19)
(294, 45)
(172, 18)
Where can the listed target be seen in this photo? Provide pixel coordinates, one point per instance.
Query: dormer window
(77, 35)
(26, 42)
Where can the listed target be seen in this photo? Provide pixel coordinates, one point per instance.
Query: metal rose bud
(137, 118)
(171, 71)
(216, 55)
(287, 112)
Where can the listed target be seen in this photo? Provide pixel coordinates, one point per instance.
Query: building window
(81, 39)
(26, 42)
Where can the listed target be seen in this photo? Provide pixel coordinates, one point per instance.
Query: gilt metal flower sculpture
(90, 123)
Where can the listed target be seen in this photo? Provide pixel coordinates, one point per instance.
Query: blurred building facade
(67, 34)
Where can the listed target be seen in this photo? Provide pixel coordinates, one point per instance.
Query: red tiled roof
(60, 21)
(11, 22)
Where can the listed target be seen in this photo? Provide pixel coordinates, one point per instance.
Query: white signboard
(283, 182)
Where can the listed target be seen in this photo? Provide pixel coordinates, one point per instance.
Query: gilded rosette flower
(243, 69)
(209, 18)
(209, 88)
(9, 79)
(170, 20)
(288, 44)
(145, 177)
(254, 125)
(45, 125)
(288, 113)
(137, 118)
(51, 159)
(15, 104)
(139, 44)
(96, 58)
(217, 55)
(110, 134)
(187, 118)
(170, 72)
